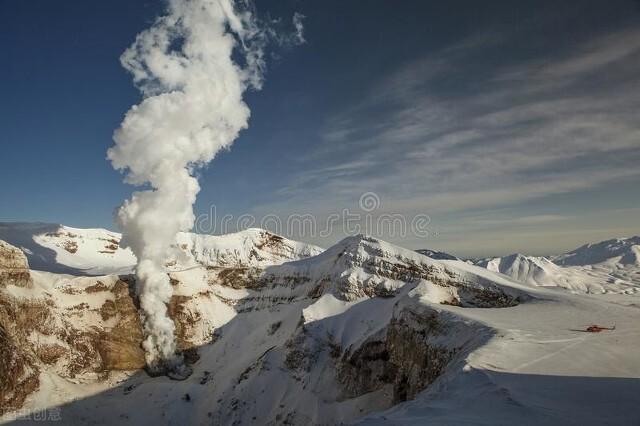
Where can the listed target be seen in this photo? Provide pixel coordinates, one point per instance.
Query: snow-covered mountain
(606, 267)
(623, 251)
(62, 249)
(340, 336)
(540, 271)
(536, 271)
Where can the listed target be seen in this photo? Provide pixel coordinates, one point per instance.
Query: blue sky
(514, 126)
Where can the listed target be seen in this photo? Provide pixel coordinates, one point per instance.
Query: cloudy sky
(511, 126)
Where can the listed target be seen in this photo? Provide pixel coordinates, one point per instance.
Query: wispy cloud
(556, 124)
(598, 53)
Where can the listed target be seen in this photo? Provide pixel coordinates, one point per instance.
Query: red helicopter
(596, 329)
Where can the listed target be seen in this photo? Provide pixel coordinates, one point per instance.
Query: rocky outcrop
(403, 357)
(438, 255)
(19, 376)
(19, 373)
(14, 268)
(185, 320)
(120, 346)
(237, 277)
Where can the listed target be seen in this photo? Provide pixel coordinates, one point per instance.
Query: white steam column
(192, 108)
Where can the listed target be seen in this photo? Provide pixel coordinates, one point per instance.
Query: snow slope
(536, 271)
(540, 271)
(538, 369)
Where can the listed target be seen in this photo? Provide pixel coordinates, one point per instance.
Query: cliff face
(18, 372)
(403, 357)
(14, 268)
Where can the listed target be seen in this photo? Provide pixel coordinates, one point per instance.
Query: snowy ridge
(252, 247)
(531, 270)
(606, 267)
(63, 249)
(358, 268)
(625, 251)
(362, 266)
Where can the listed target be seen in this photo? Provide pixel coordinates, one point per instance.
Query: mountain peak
(625, 251)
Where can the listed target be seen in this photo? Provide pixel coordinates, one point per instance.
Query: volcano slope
(363, 332)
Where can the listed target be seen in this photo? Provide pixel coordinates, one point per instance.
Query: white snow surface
(537, 369)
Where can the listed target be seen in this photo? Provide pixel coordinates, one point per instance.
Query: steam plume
(192, 108)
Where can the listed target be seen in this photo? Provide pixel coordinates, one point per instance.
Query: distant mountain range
(604, 267)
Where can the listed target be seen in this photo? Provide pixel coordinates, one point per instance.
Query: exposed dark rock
(119, 347)
(19, 376)
(402, 356)
(14, 268)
